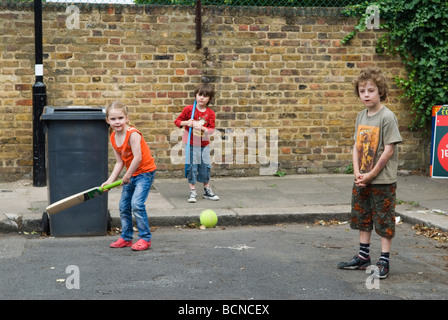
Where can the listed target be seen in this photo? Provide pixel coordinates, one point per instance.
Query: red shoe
(121, 243)
(141, 245)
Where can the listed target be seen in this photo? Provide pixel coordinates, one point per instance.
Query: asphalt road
(281, 262)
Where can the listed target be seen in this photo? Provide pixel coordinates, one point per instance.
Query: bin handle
(112, 185)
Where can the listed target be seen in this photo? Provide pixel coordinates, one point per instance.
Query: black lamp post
(39, 101)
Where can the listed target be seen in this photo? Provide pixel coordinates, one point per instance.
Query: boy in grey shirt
(375, 164)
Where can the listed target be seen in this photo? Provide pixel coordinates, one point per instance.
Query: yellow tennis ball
(208, 218)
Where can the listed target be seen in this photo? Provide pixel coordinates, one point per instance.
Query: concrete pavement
(244, 201)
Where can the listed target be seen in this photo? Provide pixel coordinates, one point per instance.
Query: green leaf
(417, 30)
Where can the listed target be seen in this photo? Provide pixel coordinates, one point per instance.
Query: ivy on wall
(417, 30)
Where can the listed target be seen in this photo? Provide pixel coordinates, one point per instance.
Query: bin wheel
(45, 223)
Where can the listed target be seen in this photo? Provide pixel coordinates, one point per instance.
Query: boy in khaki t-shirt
(372, 133)
(375, 164)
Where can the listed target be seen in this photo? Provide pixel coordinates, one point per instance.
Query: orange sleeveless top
(146, 165)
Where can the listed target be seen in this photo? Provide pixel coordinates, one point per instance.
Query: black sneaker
(383, 269)
(356, 263)
(208, 194)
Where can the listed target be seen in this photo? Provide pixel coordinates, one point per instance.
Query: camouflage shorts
(374, 205)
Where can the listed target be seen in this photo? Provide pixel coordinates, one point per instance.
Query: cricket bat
(187, 147)
(79, 198)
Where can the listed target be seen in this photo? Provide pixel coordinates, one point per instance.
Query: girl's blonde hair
(117, 105)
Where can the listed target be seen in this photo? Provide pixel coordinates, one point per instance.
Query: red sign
(442, 152)
(439, 161)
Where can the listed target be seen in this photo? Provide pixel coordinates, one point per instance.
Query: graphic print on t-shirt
(367, 146)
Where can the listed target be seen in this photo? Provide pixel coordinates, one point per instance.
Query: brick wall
(276, 73)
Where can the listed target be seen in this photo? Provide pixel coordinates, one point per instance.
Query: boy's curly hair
(375, 75)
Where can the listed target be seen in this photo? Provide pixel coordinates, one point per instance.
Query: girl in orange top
(131, 151)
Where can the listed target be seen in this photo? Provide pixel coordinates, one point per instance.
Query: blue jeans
(133, 197)
(199, 169)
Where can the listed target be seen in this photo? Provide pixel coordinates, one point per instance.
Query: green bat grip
(112, 185)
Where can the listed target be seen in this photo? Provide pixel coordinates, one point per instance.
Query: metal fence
(245, 3)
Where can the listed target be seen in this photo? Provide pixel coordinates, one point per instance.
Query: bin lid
(73, 113)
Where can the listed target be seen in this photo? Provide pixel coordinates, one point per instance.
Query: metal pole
(198, 24)
(39, 101)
